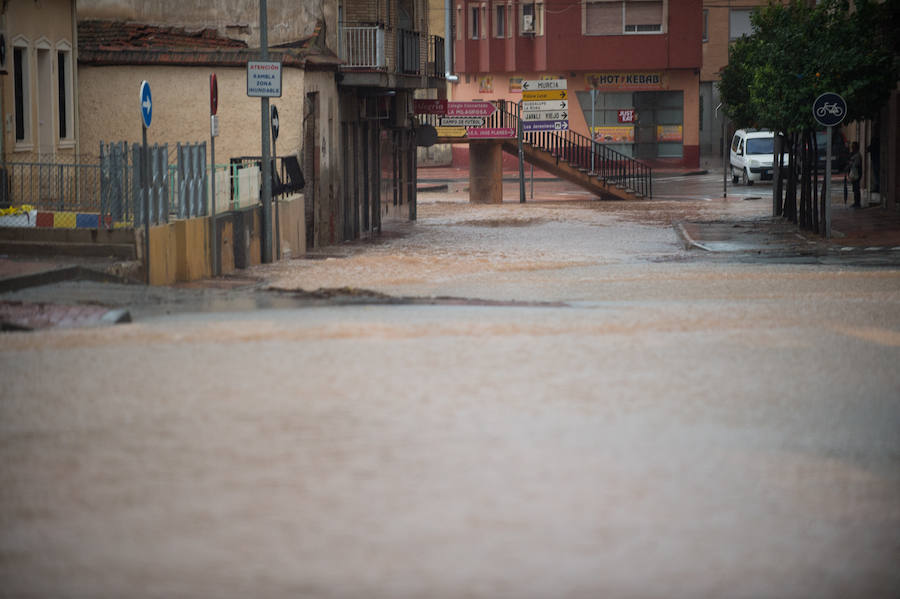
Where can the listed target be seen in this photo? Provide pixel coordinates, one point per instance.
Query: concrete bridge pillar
(485, 172)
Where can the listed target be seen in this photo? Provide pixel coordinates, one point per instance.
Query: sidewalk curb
(58, 275)
(688, 241)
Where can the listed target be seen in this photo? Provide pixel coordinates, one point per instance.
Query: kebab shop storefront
(651, 116)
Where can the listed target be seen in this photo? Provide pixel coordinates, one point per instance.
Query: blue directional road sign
(146, 103)
(545, 126)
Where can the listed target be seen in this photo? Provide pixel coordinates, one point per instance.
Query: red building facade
(632, 66)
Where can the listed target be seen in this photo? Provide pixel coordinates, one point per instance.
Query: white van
(752, 156)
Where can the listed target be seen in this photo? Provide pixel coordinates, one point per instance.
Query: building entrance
(647, 125)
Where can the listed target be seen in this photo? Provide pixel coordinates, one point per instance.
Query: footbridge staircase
(569, 155)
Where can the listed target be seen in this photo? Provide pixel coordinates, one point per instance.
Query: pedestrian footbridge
(566, 154)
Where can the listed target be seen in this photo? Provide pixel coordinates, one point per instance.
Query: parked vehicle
(840, 153)
(752, 156)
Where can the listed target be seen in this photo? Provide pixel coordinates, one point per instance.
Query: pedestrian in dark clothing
(875, 155)
(854, 172)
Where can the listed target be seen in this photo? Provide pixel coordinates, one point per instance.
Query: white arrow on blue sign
(146, 103)
(275, 127)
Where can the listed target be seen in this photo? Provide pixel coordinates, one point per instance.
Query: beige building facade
(723, 22)
(288, 20)
(38, 81)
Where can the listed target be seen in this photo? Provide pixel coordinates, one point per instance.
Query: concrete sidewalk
(19, 272)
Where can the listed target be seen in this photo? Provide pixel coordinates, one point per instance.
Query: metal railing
(436, 56)
(408, 51)
(578, 151)
(362, 46)
(109, 193)
(53, 186)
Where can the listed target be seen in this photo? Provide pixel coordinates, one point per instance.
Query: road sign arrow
(470, 109)
(146, 103)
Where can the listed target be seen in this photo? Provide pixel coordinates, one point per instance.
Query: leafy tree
(798, 51)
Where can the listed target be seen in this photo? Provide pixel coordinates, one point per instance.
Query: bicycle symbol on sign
(829, 108)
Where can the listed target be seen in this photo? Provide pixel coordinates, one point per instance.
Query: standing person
(854, 172)
(875, 155)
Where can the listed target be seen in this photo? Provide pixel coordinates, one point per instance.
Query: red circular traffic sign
(213, 94)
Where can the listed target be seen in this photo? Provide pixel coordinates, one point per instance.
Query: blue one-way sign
(146, 103)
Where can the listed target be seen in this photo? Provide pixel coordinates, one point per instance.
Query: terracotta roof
(118, 35)
(122, 43)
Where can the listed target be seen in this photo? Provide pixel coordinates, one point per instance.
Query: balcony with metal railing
(362, 46)
(373, 48)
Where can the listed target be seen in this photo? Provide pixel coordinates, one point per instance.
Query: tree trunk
(790, 200)
(777, 199)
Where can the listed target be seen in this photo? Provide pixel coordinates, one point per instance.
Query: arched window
(65, 92)
(22, 84)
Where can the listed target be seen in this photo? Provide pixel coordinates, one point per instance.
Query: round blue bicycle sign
(829, 109)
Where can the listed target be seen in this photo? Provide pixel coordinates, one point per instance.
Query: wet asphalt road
(588, 410)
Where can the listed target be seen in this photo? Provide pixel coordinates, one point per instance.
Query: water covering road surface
(626, 419)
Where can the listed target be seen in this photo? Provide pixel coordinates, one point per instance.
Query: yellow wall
(193, 256)
(163, 254)
(110, 110)
(292, 227)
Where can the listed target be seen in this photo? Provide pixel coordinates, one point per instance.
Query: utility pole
(266, 167)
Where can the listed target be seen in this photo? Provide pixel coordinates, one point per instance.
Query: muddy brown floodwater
(614, 417)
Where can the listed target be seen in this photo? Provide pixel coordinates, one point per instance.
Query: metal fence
(111, 193)
(193, 195)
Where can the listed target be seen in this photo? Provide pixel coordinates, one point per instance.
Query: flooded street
(563, 402)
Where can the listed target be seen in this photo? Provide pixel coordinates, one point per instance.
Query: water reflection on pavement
(606, 414)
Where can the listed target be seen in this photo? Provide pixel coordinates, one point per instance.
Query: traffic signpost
(829, 110)
(537, 110)
(544, 107)
(553, 94)
(264, 79)
(491, 132)
(533, 85)
(462, 121)
(545, 115)
(146, 104)
(470, 109)
(275, 130)
(213, 132)
(263, 76)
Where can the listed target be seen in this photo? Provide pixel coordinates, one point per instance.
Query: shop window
(739, 23)
(22, 83)
(617, 17)
(645, 125)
